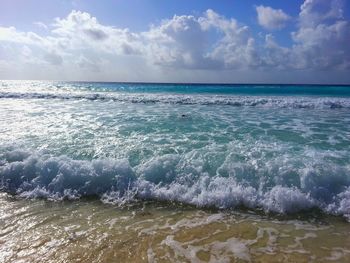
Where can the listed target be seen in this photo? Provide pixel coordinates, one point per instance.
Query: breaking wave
(41, 175)
(181, 99)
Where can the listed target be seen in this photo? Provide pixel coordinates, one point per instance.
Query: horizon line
(186, 83)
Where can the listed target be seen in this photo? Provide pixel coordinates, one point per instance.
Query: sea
(146, 172)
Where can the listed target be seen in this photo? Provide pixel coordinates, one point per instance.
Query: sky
(206, 41)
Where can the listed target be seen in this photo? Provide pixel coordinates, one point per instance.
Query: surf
(31, 174)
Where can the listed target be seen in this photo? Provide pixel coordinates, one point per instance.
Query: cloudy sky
(218, 41)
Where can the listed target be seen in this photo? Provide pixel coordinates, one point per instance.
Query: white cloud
(41, 25)
(236, 47)
(209, 47)
(178, 42)
(313, 12)
(80, 30)
(11, 34)
(274, 55)
(322, 40)
(184, 41)
(270, 18)
(53, 58)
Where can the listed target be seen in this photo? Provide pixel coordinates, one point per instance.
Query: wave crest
(35, 174)
(236, 101)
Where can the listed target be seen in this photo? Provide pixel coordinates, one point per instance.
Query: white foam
(284, 199)
(35, 174)
(341, 205)
(229, 100)
(237, 247)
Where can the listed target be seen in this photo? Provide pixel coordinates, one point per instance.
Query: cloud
(270, 18)
(96, 34)
(11, 34)
(236, 48)
(184, 41)
(322, 39)
(178, 42)
(88, 64)
(313, 12)
(275, 56)
(80, 30)
(53, 58)
(41, 25)
(184, 47)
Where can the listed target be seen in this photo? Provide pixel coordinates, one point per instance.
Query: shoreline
(63, 230)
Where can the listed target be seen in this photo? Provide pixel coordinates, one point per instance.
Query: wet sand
(90, 231)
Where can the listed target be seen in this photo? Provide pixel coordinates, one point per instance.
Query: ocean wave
(41, 175)
(181, 99)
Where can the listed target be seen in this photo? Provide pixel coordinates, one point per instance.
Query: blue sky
(176, 41)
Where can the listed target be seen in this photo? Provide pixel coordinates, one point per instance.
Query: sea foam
(198, 99)
(31, 174)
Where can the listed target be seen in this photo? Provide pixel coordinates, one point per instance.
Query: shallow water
(90, 231)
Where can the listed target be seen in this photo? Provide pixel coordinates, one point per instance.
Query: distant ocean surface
(270, 148)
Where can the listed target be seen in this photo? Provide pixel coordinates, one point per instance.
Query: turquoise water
(281, 149)
(238, 89)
